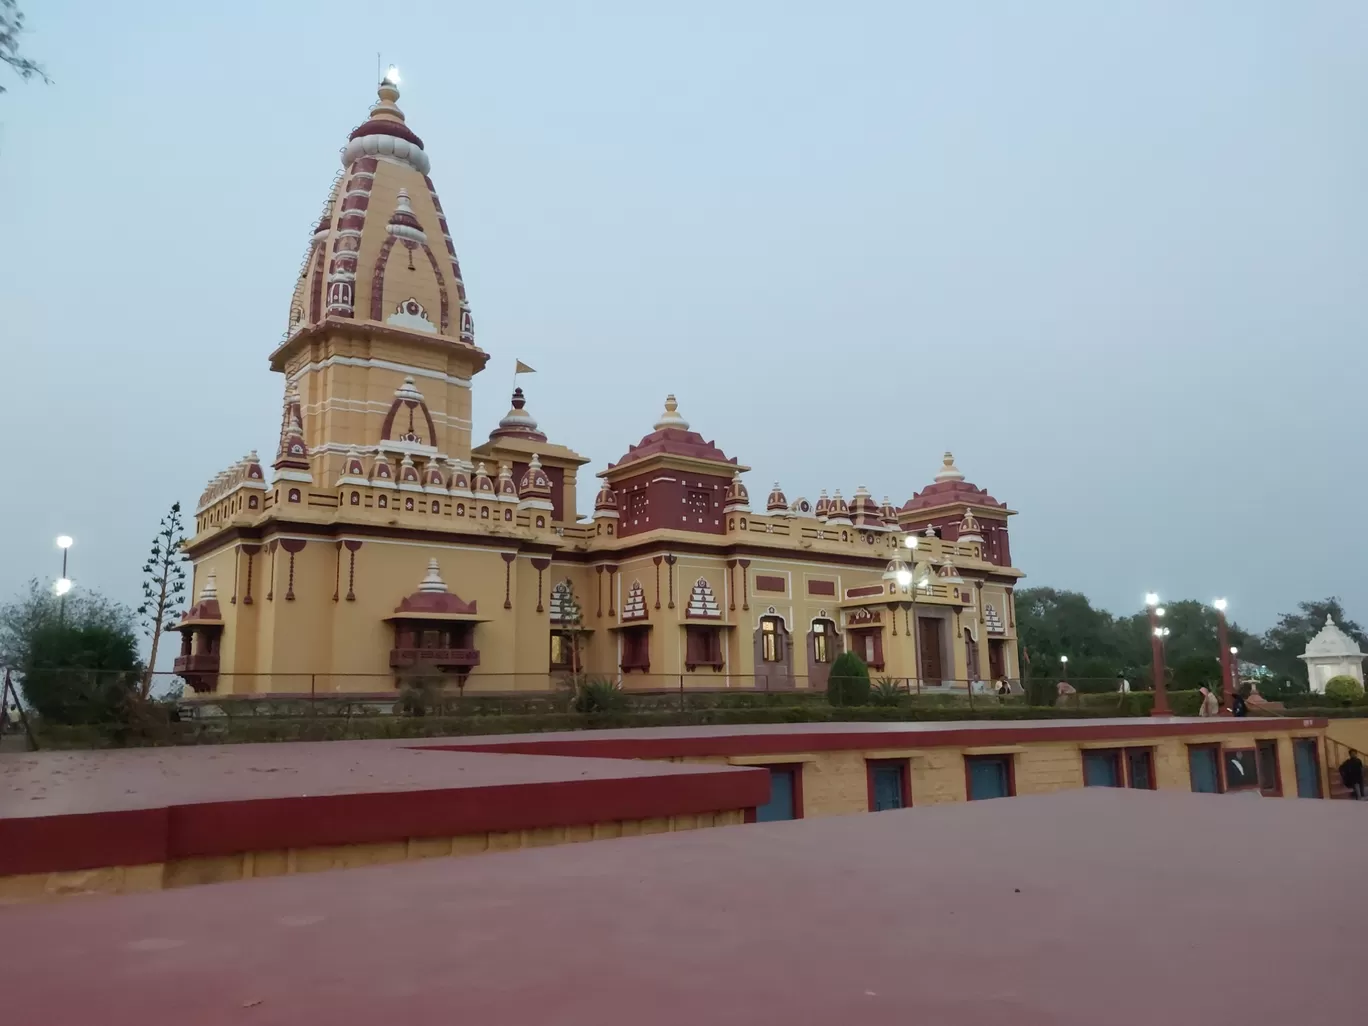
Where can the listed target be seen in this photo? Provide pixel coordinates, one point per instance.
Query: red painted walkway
(1086, 908)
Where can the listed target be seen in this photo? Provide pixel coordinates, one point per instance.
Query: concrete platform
(1128, 908)
(62, 811)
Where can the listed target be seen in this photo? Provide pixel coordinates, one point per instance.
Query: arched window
(771, 639)
(294, 494)
(356, 498)
(383, 502)
(460, 509)
(408, 504)
(436, 506)
(823, 640)
(743, 523)
(541, 521)
(484, 512)
(508, 514)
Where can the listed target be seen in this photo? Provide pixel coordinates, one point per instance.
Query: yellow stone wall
(158, 876)
(835, 783)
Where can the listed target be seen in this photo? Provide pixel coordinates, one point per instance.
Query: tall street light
(63, 585)
(1223, 640)
(904, 572)
(1161, 706)
(1064, 663)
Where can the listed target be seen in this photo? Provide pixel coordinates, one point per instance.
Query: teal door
(1101, 769)
(780, 804)
(888, 788)
(1204, 770)
(989, 777)
(1306, 759)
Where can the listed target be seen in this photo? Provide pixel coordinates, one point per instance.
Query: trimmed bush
(848, 683)
(1343, 690)
(598, 696)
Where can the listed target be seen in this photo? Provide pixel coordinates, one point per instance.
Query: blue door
(780, 804)
(888, 787)
(1101, 769)
(1306, 758)
(989, 777)
(1204, 770)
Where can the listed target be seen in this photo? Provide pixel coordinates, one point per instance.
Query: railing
(1335, 754)
(200, 662)
(407, 658)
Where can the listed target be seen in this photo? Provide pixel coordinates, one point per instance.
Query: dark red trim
(905, 768)
(650, 745)
(58, 843)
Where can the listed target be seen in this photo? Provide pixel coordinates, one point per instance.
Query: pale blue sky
(1112, 254)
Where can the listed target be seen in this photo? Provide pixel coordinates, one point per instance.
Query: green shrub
(848, 683)
(598, 696)
(1343, 690)
(887, 691)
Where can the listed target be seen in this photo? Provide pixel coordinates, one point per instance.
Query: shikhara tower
(384, 543)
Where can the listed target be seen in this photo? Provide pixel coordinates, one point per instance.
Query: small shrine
(434, 629)
(201, 630)
(1332, 653)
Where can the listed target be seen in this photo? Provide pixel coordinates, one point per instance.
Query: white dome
(1332, 643)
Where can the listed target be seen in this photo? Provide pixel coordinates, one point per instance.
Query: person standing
(1351, 773)
(1210, 707)
(1122, 685)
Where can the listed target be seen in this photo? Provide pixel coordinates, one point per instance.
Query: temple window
(356, 498)
(436, 506)
(408, 504)
(702, 646)
(384, 502)
(821, 640)
(294, 494)
(460, 509)
(508, 514)
(562, 650)
(771, 643)
(484, 512)
(541, 521)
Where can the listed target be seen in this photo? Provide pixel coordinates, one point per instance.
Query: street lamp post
(63, 585)
(1223, 640)
(1161, 706)
(1064, 662)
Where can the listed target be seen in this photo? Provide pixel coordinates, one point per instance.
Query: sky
(1112, 255)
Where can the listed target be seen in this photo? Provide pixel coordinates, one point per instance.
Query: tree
(11, 27)
(36, 606)
(848, 682)
(82, 673)
(163, 587)
(77, 667)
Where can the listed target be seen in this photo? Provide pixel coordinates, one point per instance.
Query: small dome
(381, 470)
(433, 478)
(671, 418)
(776, 503)
(823, 508)
(408, 472)
(672, 437)
(1332, 642)
(460, 482)
(432, 580)
(353, 468)
(969, 529)
(507, 490)
(517, 422)
(483, 483)
(888, 513)
(950, 489)
(839, 511)
(534, 480)
(605, 503)
(738, 499)
(403, 223)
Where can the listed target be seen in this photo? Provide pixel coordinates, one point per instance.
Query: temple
(386, 543)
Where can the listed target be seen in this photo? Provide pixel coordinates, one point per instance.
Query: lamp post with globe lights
(1223, 640)
(63, 583)
(1157, 634)
(904, 573)
(1064, 664)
